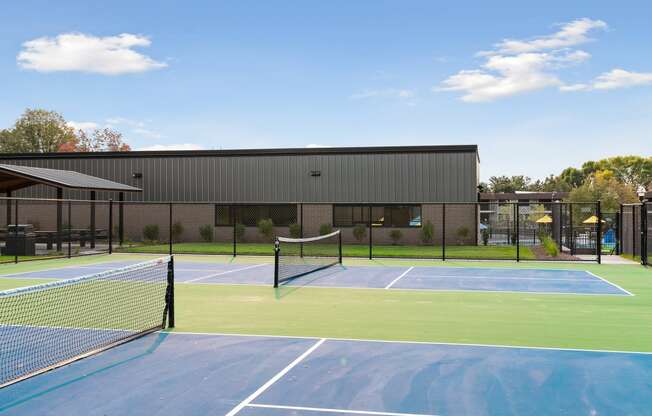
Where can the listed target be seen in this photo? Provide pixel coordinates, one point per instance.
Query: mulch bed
(541, 254)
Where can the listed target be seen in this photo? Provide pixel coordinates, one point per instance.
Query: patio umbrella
(593, 219)
(544, 220)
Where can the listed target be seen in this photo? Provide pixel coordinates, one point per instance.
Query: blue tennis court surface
(186, 374)
(437, 278)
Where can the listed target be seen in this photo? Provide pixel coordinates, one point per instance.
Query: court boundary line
(610, 283)
(275, 378)
(330, 410)
(399, 278)
(420, 290)
(385, 341)
(219, 274)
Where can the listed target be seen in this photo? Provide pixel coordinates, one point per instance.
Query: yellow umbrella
(593, 219)
(544, 220)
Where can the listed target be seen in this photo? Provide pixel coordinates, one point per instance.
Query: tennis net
(296, 257)
(46, 326)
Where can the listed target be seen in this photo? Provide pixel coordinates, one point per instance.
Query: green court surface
(616, 323)
(348, 250)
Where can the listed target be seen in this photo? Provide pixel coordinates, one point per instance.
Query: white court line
(399, 278)
(221, 273)
(325, 410)
(543, 279)
(274, 379)
(383, 341)
(612, 284)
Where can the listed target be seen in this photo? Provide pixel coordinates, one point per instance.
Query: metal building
(311, 186)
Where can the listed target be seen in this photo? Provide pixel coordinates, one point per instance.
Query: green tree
(37, 131)
(572, 176)
(509, 184)
(605, 187)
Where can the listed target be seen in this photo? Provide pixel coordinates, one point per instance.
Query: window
(381, 216)
(249, 215)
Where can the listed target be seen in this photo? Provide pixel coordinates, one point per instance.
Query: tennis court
(168, 373)
(437, 278)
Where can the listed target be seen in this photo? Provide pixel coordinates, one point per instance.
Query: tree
(572, 176)
(509, 184)
(605, 187)
(37, 131)
(100, 140)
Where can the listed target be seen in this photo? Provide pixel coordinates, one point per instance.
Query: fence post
(70, 229)
(619, 235)
(370, 235)
(633, 231)
(170, 228)
(235, 237)
(16, 232)
(571, 241)
(518, 233)
(301, 230)
(110, 226)
(598, 233)
(121, 218)
(443, 232)
(644, 242)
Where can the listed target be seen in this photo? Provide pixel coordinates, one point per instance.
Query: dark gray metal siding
(387, 177)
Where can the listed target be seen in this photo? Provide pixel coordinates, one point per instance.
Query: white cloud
(619, 78)
(520, 66)
(571, 34)
(147, 133)
(384, 93)
(83, 125)
(179, 146)
(316, 146)
(110, 55)
(114, 121)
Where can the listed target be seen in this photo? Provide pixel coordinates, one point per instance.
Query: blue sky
(537, 86)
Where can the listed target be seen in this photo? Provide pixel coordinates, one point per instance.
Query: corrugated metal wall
(385, 177)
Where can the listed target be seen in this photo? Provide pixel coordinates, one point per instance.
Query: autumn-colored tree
(604, 186)
(100, 140)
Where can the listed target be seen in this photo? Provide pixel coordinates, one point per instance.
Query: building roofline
(248, 152)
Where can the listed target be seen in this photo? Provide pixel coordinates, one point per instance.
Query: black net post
(339, 248)
(277, 249)
(371, 244)
(16, 231)
(443, 232)
(170, 227)
(598, 232)
(69, 229)
(110, 226)
(170, 294)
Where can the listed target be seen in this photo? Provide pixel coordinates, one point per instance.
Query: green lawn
(348, 250)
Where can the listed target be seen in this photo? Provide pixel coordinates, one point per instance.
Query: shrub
(395, 235)
(206, 233)
(266, 228)
(325, 229)
(427, 232)
(462, 233)
(550, 246)
(177, 231)
(239, 232)
(485, 236)
(151, 233)
(295, 230)
(359, 232)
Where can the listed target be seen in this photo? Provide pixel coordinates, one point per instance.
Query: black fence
(466, 231)
(636, 231)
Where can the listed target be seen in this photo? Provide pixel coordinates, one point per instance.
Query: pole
(235, 237)
(370, 235)
(170, 294)
(633, 231)
(93, 197)
(110, 226)
(598, 233)
(301, 229)
(121, 218)
(59, 219)
(170, 227)
(8, 208)
(16, 233)
(571, 241)
(518, 233)
(443, 232)
(339, 244)
(277, 248)
(619, 235)
(70, 230)
(643, 231)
